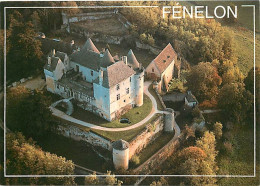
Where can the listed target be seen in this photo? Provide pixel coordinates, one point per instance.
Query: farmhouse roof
(89, 45)
(120, 145)
(132, 61)
(107, 59)
(165, 58)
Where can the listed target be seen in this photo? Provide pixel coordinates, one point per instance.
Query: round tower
(169, 120)
(139, 87)
(121, 154)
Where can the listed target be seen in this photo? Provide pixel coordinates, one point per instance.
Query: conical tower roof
(89, 45)
(131, 60)
(107, 59)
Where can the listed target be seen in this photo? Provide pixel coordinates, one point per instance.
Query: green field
(134, 115)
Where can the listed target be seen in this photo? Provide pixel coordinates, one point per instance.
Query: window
(152, 69)
(130, 79)
(117, 87)
(127, 91)
(118, 97)
(58, 86)
(92, 72)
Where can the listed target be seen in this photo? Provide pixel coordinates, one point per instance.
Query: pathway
(154, 111)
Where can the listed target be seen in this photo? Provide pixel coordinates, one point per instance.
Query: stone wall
(159, 157)
(154, 50)
(88, 136)
(146, 136)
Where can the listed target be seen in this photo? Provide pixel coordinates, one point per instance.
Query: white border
(219, 176)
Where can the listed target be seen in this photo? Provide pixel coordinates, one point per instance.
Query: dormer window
(117, 87)
(168, 56)
(164, 61)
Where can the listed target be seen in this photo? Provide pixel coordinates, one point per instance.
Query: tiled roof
(165, 58)
(115, 74)
(131, 60)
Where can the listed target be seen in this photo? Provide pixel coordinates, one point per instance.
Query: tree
(110, 180)
(249, 80)
(208, 144)
(28, 111)
(24, 51)
(203, 80)
(217, 129)
(193, 161)
(25, 158)
(235, 101)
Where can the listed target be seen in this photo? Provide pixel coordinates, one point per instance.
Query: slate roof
(131, 60)
(107, 59)
(191, 98)
(87, 58)
(52, 66)
(89, 45)
(165, 58)
(120, 145)
(115, 73)
(61, 55)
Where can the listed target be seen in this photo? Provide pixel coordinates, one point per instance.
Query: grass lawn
(125, 135)
(156, 145)
(152, 91)
(134, 115)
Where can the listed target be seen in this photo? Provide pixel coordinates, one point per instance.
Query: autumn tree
(249, 81)
(110, 179)
(217, 129)
(24, 157)
(193, 161)
(203, 80)
(235, 101)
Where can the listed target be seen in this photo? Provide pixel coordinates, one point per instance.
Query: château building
(105, 85)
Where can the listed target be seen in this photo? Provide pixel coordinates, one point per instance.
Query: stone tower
(169, 120)
(121, 154)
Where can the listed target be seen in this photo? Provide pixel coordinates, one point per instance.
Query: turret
(169, 120)
(121, 154)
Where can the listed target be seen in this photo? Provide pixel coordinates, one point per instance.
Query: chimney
(124, 58)
(101, 77)
(53, 52)
(49, 60)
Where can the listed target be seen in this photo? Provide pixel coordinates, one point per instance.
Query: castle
(105, 85)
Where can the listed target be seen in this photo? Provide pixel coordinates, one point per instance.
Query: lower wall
(79, 134)
(146, 136)
(159, 157)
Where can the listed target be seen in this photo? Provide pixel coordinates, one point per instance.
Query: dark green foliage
(235, 101)
(24, 51)
(28, 111)
(25, 158)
